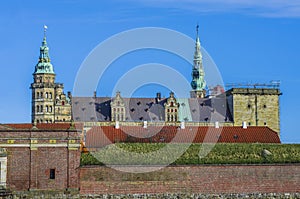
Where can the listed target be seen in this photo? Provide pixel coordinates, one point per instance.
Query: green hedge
(160, 154)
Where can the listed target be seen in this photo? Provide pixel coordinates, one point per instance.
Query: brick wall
(193, 179)
(31, 153)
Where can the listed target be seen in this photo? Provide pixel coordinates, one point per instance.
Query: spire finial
(197, 28)
(45, 30)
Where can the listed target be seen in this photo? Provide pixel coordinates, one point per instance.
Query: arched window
(46, 96)
(50, 95)
(37, 109)
(50, 109)
(41, 109)
(38, 95)
(46, 109)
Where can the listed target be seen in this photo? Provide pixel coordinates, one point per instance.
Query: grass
(181, 154)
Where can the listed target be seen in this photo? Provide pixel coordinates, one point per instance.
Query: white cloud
(265, 8)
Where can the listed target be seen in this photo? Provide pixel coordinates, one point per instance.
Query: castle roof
(151, 109)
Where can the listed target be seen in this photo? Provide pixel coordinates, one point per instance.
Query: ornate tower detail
(45, 90)
(118, 108)
(198, 83)
(171, 109)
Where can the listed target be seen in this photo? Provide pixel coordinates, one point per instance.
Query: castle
(250, 106)
(45, 154)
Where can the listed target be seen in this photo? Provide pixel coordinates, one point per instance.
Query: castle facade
(247, 106)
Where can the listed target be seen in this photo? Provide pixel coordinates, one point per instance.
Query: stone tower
(255, 106)
(49, 103)
(198, 83)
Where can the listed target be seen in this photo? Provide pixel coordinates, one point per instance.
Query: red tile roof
(44, 126)
(103, 135)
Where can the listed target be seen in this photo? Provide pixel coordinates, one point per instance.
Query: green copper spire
(198, 83)
(44, 65)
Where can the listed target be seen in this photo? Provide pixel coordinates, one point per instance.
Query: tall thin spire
(44, 65)
(198, 83)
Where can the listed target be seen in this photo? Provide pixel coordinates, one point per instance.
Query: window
(38, 94)
(46, 96)
(249, 106)
(50, 95)
(50, 109)
(265, 106)
(41, 109)
(52, 174)
(37, 109)
(46, 108)
(63, 103)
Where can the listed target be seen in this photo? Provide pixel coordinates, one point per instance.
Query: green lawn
(181, 154)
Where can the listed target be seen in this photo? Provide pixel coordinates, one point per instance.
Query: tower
(198, 83)
(255, 106)
(49, 103)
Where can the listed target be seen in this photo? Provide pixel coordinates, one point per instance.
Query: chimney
(217, 125)
(158, 97)
(145, 124)
(95, 94)
(182, 125)
(244, 125)
(117, 126)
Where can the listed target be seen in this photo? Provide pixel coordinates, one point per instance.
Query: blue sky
(250, 41)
